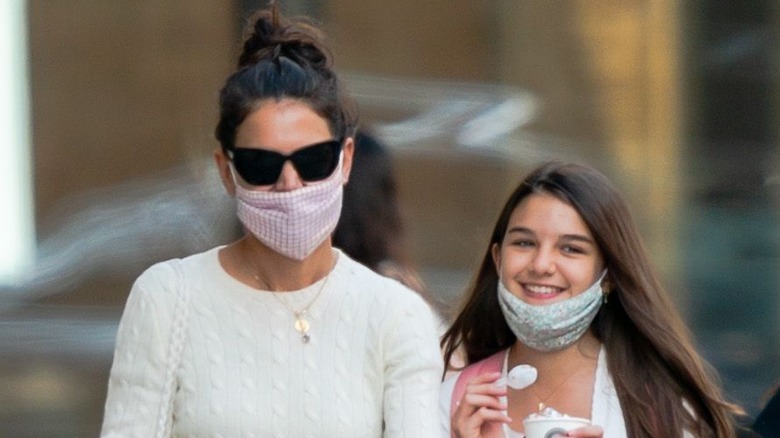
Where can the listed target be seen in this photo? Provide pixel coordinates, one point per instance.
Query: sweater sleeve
(135, 386)
(413, 368)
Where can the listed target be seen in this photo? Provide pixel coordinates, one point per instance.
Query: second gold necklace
(301, 324)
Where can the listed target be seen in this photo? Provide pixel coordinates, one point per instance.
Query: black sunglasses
(261, 167)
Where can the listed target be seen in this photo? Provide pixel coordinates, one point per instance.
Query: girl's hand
(480, 413)
(587, 432)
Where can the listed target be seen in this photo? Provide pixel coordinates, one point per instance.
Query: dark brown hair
(283, 59)
(663, 384)
(370, 227)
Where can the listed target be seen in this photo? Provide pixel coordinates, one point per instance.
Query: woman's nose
(288, 179)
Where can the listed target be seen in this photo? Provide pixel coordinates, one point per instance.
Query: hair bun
(270, 36)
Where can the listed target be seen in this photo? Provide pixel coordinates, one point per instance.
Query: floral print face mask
(553, 326)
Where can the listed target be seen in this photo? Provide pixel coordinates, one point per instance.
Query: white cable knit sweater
(373, 358)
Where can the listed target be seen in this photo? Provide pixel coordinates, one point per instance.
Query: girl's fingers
(482, 420)
(486, 384)
(480, 406)
(484, 378)
(482, 391)
(487, 415)
(472, 402)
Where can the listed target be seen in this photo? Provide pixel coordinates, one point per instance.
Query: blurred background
(108, 112)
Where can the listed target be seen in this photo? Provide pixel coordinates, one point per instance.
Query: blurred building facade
(676, 101)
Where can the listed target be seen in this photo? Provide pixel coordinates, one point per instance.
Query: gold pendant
(302, 326)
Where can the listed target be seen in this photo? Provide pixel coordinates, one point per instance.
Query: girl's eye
(523, 243)
(569, 249)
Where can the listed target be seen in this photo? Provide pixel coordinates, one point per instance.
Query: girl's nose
(543, 262)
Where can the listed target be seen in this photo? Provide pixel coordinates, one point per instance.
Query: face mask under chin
(555, 326)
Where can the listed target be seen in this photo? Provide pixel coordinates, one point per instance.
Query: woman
(278, 334)
(565, 287)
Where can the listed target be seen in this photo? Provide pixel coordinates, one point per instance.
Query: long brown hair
(663, 384)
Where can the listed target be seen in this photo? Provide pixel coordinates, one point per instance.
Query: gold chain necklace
(543, 400)
(301, 324)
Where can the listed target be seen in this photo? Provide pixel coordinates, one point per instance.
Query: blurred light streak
(457, 118)
(126, 228)
(17, 231)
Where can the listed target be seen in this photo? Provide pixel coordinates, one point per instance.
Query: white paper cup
(549, 427)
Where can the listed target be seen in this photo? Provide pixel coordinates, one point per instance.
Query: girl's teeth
(542, 290)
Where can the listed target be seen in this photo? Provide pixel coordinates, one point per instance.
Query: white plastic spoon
(521, 377)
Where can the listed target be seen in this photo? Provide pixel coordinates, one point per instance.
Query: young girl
(565, 288)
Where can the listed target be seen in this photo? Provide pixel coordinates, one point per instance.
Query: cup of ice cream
(550, 423)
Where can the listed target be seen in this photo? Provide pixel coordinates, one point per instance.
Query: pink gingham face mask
(296, 222)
